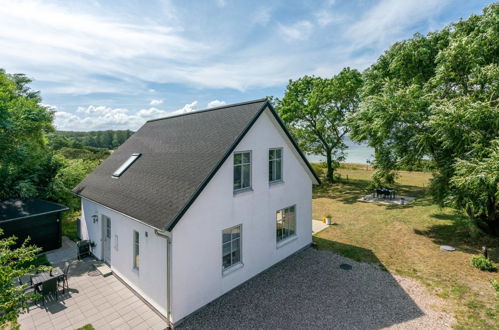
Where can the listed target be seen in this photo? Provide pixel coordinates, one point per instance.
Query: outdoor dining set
(384, 193)
(47, 283)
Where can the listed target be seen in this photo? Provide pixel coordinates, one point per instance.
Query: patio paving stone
(104, 302)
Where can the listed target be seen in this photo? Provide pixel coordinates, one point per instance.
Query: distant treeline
(93, 145)
(100, 139)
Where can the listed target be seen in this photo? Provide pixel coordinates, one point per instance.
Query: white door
(106, 239)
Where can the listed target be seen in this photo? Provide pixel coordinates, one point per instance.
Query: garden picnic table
(384, 193)
(45, 276)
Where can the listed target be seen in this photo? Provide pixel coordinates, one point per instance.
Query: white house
(191, 206)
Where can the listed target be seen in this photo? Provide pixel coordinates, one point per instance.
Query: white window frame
(239, 264)
(249, 187)
(274, 166)
(120, 170)
(288, 237)
(136, 250)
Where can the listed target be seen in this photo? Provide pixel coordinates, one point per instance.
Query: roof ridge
(209, 109)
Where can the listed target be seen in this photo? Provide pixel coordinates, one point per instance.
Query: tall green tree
(475, 186)
(14, 263)
(436, 97)
(317, 109)
(26, 165)
(73, 172)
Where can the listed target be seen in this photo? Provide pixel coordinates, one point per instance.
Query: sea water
(359, 153)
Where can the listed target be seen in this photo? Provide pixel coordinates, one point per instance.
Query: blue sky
(115, 64)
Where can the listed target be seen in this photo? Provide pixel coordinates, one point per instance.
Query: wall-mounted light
(95, 218)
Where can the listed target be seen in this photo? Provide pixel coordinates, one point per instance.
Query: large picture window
(285, 223)
(136, 250)
(242, 170)
(275, 165)
(231, 247)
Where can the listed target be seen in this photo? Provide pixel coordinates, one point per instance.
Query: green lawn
(405, 240)
(69, 224)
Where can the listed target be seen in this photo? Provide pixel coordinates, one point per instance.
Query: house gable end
(283, 131)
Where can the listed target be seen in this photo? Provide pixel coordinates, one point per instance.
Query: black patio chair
(48, 288)
(392, 193)
(25, 279)
(64, 277)
(29, 290)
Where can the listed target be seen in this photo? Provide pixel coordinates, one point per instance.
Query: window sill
(287, 241)
(275, 183)
(232, 269)
(242, 191)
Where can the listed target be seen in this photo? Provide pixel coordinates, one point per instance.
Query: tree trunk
(493, 215)
(330, 170)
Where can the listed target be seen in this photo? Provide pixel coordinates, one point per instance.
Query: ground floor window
(231, 246)
(285, 223)
(136, 250)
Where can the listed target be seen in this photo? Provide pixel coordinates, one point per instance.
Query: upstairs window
(275, 165)
(242, 170)
(125, 165)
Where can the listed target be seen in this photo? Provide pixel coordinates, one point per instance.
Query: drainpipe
(168, 236)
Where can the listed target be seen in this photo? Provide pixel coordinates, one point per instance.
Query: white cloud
(216, 103)
(389, 20)
(102, 117)
(75, 48)
(43, 39)
(100, 110)
(325, 17)
(185, 109)
(151, 113)
(298, 31)
(156, 102)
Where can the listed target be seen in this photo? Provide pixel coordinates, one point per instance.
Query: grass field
(69, 224)
(405, 240)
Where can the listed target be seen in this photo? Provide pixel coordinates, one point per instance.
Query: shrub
(495, 285)
(483, 263)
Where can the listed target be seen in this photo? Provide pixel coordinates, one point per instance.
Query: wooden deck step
(104, 269)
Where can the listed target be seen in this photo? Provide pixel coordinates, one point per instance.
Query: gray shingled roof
(179, 155)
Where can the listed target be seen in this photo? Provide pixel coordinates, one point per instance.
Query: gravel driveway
(309, 290)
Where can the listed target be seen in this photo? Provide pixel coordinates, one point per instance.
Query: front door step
(104, 269)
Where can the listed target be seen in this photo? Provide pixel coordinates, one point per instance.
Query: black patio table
(45, 276)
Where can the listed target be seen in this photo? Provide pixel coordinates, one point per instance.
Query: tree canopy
(316, 109)
(26, 165)
(436, 97)
(35, 160)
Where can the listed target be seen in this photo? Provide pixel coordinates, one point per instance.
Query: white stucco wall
(197, 275)
(150, 280)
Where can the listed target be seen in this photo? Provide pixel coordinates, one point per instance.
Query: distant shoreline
(357, 153)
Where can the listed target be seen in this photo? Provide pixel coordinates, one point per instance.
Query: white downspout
(168, 236)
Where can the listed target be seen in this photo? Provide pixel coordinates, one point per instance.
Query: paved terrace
(104, 302)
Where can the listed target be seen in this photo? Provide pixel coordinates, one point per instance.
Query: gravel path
(310, 291)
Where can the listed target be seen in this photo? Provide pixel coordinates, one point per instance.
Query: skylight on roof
(125, 165)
